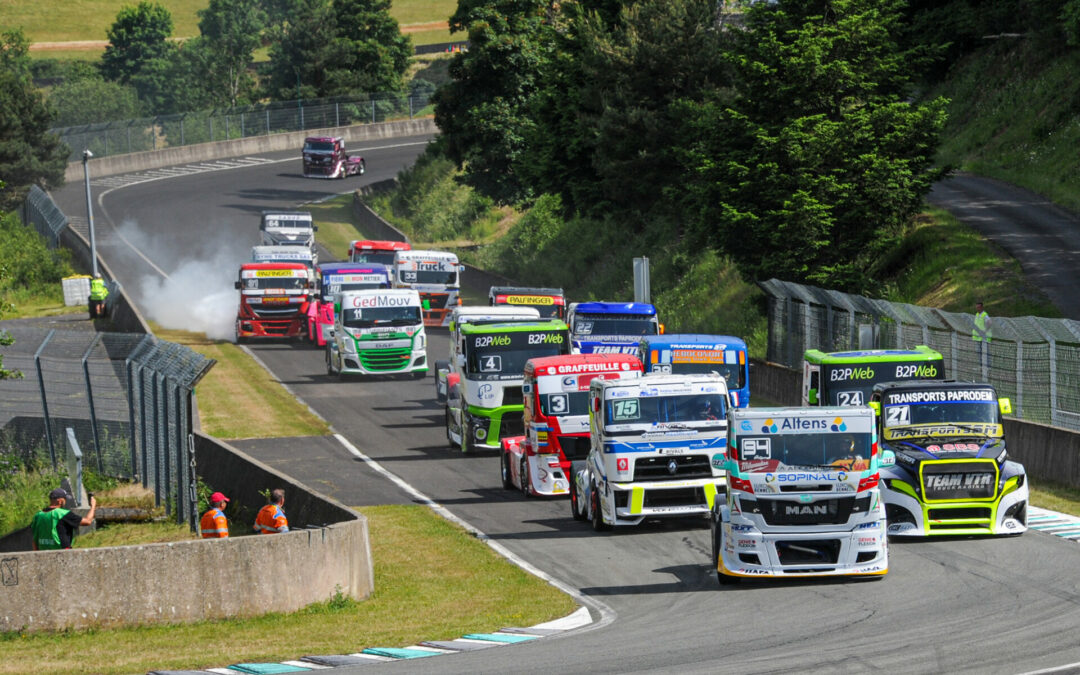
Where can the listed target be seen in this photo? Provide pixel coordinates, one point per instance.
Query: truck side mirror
(596, 405)
(236, 285)
(314, 228)
(876, 405)
(662, 329)
(812, 397)
(1005, 406)
(461, 360)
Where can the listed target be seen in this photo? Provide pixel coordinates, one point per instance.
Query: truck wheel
(575, 506)
(598, 523)
(504, 469)
(363, 168)
(722, 578)
(449, 438)
(525, 478)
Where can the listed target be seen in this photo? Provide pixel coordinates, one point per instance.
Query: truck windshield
(614, 324)
(429, 277)
(973, 412)
(773, 452)
(278, 222)
(502, 356)
(368, 317)
(283, 283)
(545, 304)
(381, 257)
(663, 410)
(565, 403)
(318, 146)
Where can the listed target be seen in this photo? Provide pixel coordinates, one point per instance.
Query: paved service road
(1045, 238)
(1000, 606)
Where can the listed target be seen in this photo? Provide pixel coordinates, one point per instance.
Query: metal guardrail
(1034, 361)
(208, 126)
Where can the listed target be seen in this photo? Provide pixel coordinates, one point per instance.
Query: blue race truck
(610, 327)
(692, 354)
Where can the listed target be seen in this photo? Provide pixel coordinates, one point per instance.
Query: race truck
(368, 251)
(952, 475)
(334, 278)
(476, 315)
(610, 327)
(483, 396)
(300, 254)
(288, 228)
(556, 391)
(325, 157)
(273, 300)
(655, 446)
(378, 332)
(846, 378)
(436, 276)
(689, 354)
(550, 302)
(802, 497)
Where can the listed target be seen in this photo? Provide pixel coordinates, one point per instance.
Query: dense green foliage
(90, 98)
(138, 53)
(230, 32)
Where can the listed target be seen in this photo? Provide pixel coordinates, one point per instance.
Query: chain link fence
(1034, 361)
(207, 126)
(127, 396)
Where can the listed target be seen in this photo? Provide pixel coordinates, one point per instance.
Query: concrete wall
(1047, 453)
(186, 154)
(199, 579)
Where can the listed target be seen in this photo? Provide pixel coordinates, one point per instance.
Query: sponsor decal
(274, 300)
(746, 425)
(481, 341)
(622, 464)
(922, 371)
(486, 391)
(901, 527)
(673, 451)
(718, 460)
(747, 570)
(380, 301)
(867, 526)
(867, 541)
(940, 396)
(274, 273)
(696, 356)
(527, 299)
(958, 481)
(1010, 524)
(614, 349)
(772, 426)
(741, 528)
(944, 429)
(843, 374)
(545, 338)
(746, 543)
(806, 510)
(805, 476)
(577, 368)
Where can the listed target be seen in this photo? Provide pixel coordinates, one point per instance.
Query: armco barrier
(1047, 453)
(187, 154)
(198, 579)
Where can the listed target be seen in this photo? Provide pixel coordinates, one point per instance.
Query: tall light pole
(86, 155)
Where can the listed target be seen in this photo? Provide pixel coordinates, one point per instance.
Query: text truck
(653, 452)
(847, 378)
(273, 300)
(378, 332)
(556, 415)
(436, 276)
(952, 475)
(689, 354)
(802, 497)
(610, 327)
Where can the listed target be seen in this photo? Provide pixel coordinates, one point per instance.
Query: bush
(27, 260)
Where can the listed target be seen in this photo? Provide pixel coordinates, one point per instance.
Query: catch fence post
(90, 399)
(44, 401)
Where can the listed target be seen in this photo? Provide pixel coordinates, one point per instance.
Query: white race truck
(300, 254)
(289, 228)
(436, 275)
(378, 332)
(653, 448)
(803, 497)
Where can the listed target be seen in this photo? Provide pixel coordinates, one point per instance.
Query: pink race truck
(325, 157)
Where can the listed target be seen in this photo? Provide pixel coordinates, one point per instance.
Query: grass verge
(131, 534)
(336, 225)
(432, 581)
(1055, 497)
(237, 382)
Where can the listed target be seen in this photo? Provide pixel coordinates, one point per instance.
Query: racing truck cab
(803, 497)
(654, 444)
(847, 378)
(556, 416)
(298, 254)
(368, 251)
(484, 398)
(288, 228)
(550, 302)
(273, 300)
(952, 475)
(378, 332)
(611, 327)
(325, 157)
(476, 315)
(335, 278)
(690, 354)
(435, 275)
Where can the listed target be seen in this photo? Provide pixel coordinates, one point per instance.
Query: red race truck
(274, 300)
(556, 396)
(367, 251)
(325, 157)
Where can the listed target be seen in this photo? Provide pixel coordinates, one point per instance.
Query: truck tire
(449, 438)
(721, 578)
(504, 469)
(524, 477)
(575, 506)
(598, 523)
(363, 167)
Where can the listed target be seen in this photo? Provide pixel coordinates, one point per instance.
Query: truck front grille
(808, 552)
(670, 467)
(976, 479)
(791, 512)
(385, 359)
(512, 424)
(512, 396)
(688, 496)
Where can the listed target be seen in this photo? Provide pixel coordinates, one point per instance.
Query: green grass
(336, 225)
(23, 494)
(432, 581)
(1060, 498)
(132, 534)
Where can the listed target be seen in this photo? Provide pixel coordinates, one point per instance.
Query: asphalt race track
(965, 605)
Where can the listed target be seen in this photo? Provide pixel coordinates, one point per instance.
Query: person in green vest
(982, 334)
(54, 526)
(98, 293)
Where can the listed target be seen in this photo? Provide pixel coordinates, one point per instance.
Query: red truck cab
(556, 397)
(274, 300)
(366, 251)
(325, 157)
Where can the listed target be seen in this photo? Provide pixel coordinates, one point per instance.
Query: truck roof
(380, 245)
(702, 379)
(920, 353)
(641, 308)
(325, 139)
(417, 254)
(695, 340)
(573, 364)
(486, 314)
(512, 327)
(523, 290)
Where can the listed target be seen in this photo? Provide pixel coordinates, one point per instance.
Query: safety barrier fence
(1032, 360)
(207, 126)
(128, 398)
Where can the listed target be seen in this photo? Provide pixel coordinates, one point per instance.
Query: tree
(231, 31)
(138, 52)
(369, 53)
(92, 99)
(28, 153)
(820, 159)
(483, 111)
(299, 58)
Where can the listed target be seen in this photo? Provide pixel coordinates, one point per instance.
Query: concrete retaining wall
(199, 579)
(201, 152)
(125, 317)
(1047, 453)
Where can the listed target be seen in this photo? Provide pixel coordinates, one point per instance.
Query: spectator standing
(54, 526)
(271, 518)
(213, 524)
(982, 334)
